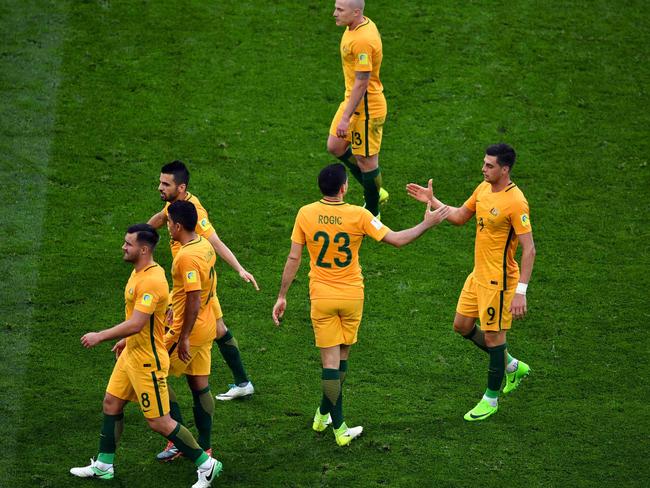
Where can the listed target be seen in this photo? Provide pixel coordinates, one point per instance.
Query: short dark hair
(178, 170)
(146, 235)
(505, 154)
(331, 179)
(184, 213)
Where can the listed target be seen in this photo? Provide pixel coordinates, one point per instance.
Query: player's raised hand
(518, 306)
(91, 339)
(420, 193)
(119, 347)
(436, 216)
(248, 278)
(278, 310)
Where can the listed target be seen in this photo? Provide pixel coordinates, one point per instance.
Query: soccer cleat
(481, 411)
(168, 454)
(207, 476)
(321, 422)
(345, 434)
(93, 471)
(383, 196)
(236, 391)
(513, 379)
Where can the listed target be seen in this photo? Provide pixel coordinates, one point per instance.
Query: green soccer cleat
(513, 379)
(383, 196)
(321, 422)
(92, 471)
(481, 411)
(345, 434)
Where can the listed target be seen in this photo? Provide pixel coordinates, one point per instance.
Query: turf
(97, 95)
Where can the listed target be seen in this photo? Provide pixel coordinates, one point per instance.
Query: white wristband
(521, 288)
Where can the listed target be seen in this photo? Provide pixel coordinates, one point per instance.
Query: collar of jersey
(325, 202)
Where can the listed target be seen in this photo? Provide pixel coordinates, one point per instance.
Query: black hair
(146, 235)
(184, 213)
(331, 179)
(178, 170)
(505, 154)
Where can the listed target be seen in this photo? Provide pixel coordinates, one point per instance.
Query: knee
(111, 405)
(221, 329)
(162, 425)
(462, 327)
(336, 147)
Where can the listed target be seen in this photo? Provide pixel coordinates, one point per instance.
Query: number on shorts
(343, 239)
(491, 312)
(144, 399)
(356, 138)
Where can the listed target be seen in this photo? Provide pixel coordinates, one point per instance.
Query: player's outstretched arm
(227, 255)
(129, 327)
(288, 275)
(457, 215)
(406, 236)
(519, 307)
(158, 220)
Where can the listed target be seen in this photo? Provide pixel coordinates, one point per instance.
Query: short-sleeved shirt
(333, 232)
(361, 50)
(147, 291)
(500, 218)
(203, 226)
(193, 270)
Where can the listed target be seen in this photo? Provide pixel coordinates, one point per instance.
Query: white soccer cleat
(345, 434)
(92, 471)
(207, 476)
(236, 391)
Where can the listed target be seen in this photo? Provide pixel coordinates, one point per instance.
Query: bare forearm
(124, 329)
(406, 236)
(527, 262)
(358, 91)
(157, 220)
(288, 275)
(192, 307)
(227, 255)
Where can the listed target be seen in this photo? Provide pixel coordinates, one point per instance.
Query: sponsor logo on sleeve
(376, 223)
(191, 277)
(525, 220)
(147, 299)
(204, 223)
(363, 59)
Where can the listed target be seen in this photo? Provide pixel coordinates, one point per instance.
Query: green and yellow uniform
(361, 51)
(333, 232)
(193, 270)
(490, 288)
(203, 226)
(141, 370)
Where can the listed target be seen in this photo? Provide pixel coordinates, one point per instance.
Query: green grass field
(97, 95)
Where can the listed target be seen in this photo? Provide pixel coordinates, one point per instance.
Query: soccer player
(174, 179)
(495, 291)
(333, 231)
(356, 130)
(140, 374)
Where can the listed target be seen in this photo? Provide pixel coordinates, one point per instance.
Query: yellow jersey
(333, 232)
(147, 291)
(193, 270)
(500, 218)
(361, 50)
(203, 226)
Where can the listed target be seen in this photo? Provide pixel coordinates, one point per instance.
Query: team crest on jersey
(204, 223)
(525, 220)
(130, 291)
(147, 298)
(363, 58)
(191, 277)
(494, 211)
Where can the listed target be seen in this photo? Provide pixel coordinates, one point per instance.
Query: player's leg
(366, 138)
(203, 408)
(350, 312)
(176, 368)
(340, 147)
(118, 392)
(208, 468)
(229, 349)
(495, 320)
(516, 370)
